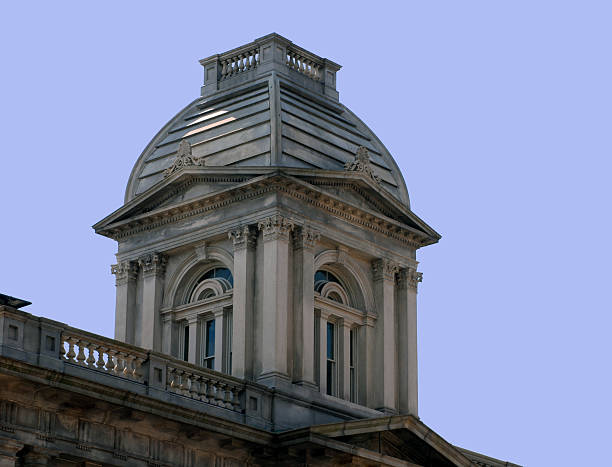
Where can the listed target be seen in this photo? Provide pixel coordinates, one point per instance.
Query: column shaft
(276, 230)
(303, 306)
(385, 365)
(407, 340)
(153, 267)
(126, 274)
(244, 279)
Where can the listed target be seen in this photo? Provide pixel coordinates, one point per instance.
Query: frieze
(349, 213)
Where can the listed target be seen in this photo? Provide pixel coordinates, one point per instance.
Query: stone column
(408, 280)
(194, 344)
(126, 274)
(276, 230)
(8, 452)
(245, 241)
(385, 351)
(321, 323)
(219, 357)
(303, 307)
(344, 360)
(153, 267)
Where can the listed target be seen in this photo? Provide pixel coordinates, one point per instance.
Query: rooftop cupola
(270, 54)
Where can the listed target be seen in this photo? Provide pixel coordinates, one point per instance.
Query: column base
(274, 379)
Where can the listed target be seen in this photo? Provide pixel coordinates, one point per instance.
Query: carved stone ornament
(184, 158)
(409, 278)
(153, 263)
(306, 237)
(243, 237)
(202, 251)
(125, 271)
(384, 269)
(362, 164)
(275, 227)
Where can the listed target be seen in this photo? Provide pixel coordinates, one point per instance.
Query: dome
(268, 103)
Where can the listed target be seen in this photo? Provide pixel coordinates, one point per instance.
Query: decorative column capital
(243, 237)
(276, 227)
(153, 264)
(305, 237)
(384, 269)
(409, 278)
(125, 271)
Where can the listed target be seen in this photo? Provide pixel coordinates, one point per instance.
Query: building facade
(266, 294)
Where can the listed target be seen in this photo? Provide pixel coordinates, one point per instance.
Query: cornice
(290, 186)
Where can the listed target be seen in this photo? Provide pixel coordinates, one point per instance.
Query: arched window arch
(214, 282)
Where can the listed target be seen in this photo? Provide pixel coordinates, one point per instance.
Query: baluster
(236, 399)
(210, 391)
(90, 356)
(227, 399)
(136, 373)
(71, 353)
(171, 378)
(194, 389)
(100, 363)
(110, 364)
(187, 384)
(202, 389)
(179, 380)
(81, 355)
(220, 394)
(118, 363)
(127, 371)
(223, 68)
(317, 75)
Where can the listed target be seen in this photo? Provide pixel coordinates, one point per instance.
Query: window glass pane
(186, 343)
(352, 347)
(330, 341)
(222, 273)
(210, 338)
(330, 377)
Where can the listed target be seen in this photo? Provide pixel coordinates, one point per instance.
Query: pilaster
(126, 274)
(303, 305)
(153, 266)
(407, 282)
(384, 370)
(244, 240)
(344, 372)
(219, 335)
(276, 231)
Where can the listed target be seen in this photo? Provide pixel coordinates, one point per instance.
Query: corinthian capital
(276, 227)
(244, 237)
(153, 263)
(384, 269)
(124, 271)
(409, 278)
(306, 237)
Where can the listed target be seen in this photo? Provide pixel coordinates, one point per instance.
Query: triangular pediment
(192, 189)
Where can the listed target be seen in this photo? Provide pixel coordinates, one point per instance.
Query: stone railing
(204, 385)
(301, 63)
(238, 62)
(271, 53)
(100, 354)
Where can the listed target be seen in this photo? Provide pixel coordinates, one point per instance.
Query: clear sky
(498, 113)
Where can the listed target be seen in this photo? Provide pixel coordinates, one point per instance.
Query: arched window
(219, 273)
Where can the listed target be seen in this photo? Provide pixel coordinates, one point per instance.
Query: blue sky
(498, 113)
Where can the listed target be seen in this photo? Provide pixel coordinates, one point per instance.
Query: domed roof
(268, 103)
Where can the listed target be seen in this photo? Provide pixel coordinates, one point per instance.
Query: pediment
(195, 190)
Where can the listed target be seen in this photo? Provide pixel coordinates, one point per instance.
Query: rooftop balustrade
(264, 55)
